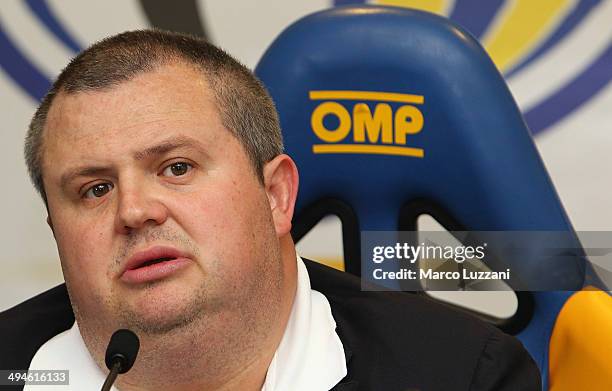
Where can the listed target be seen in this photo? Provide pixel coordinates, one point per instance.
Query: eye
(177, 169)
(98, 190)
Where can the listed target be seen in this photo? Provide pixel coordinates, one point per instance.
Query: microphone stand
(112, 376)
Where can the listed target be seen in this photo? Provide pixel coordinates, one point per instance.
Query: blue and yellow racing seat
(392, 113)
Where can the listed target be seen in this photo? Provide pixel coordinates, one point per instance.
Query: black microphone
(120, 355)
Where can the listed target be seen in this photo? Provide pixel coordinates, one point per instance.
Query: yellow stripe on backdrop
(440, 7)
(520, 26)
(335, 262)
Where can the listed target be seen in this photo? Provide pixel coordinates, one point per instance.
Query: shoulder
(388, 308)
(391, 333)
(27, 326)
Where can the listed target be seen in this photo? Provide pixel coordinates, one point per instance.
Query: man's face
(145, 172)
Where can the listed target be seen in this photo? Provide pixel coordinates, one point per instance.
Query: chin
(161, 309)
(160, 323)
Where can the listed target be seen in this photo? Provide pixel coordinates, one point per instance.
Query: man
(160, 161)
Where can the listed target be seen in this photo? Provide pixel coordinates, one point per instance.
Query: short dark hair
(245, 107)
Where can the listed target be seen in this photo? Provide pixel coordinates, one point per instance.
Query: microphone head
(123, 347)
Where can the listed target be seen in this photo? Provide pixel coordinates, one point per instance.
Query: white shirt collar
(310, 356)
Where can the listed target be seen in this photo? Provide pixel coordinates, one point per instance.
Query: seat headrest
(382, 105)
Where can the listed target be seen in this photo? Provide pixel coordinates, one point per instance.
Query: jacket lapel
(346, 384)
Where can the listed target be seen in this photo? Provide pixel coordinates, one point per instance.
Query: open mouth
(153, 262)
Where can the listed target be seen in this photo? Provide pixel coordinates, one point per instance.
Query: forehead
(169, 99)
(169, 89)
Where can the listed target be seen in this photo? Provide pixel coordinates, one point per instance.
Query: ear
(281, 185)
(50, 224)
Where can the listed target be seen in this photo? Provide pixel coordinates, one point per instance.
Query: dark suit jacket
(392, 340)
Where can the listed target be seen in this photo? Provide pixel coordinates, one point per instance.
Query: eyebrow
(169, 145)
(161, 148)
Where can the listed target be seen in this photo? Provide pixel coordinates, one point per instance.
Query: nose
(137, 207)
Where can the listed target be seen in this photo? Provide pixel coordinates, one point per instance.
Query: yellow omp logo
(382, 132)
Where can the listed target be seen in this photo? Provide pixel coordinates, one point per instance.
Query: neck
(186, 365)
(193, 358)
